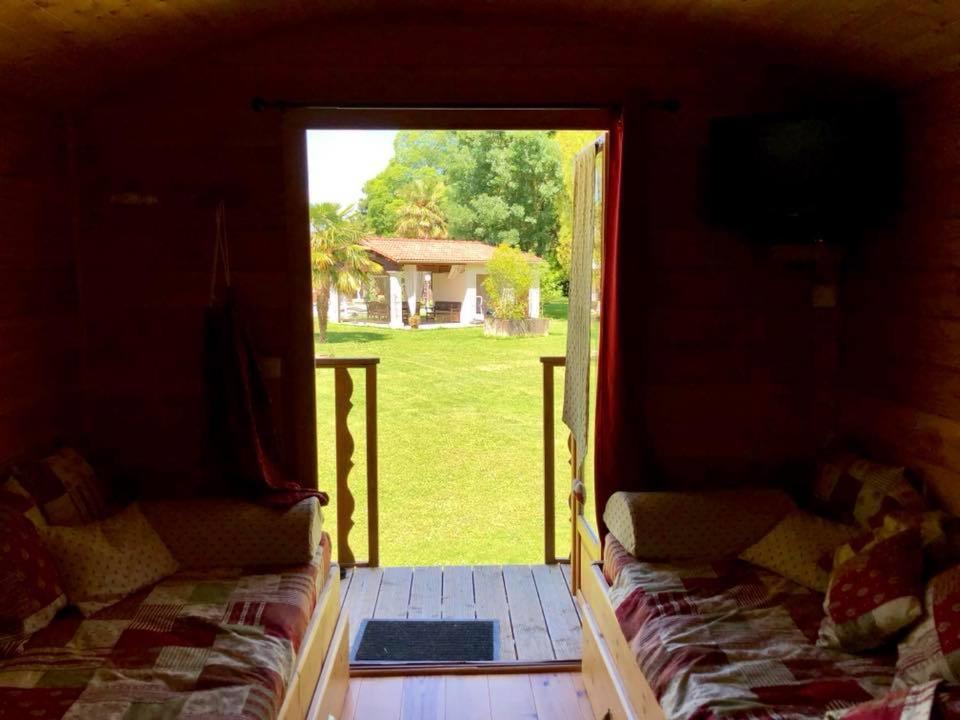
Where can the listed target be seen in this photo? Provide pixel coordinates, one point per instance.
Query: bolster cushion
(223, 532)
(693, 525)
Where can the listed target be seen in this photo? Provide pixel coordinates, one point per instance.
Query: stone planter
(527, 327)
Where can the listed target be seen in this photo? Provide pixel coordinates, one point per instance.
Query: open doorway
(432, 221)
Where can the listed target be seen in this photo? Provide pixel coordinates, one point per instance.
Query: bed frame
(617, 688)
(320, 680)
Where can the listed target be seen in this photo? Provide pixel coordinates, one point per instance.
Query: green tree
(337, 258)
(422, 215)
(502, 186)
(381, 203)
(508, 282)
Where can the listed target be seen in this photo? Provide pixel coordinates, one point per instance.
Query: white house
(440, 279)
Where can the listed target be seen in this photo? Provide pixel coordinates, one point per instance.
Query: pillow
(681, 525)
(795, 546)
(932, 649)
(873, 593)
(104, 562)
(66, 488)
(852, 489)
(30, 591)
(226, 532)
(14, 497)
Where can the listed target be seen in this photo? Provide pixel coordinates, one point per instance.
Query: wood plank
(491, 596)
(631, 681)
(529, 627)
(345, 585)
(349, 711)
(380, 699)
(394, 597)
(423, 698)
(467, 697)
(583, 699)
(511, 698)
(600, 675)
(425, 593)
(568, 579)
(331, 688)
(458, 600)
(563, 622)
(362, 597)
(556, 697)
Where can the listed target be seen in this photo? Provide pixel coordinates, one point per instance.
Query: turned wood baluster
(343, 393)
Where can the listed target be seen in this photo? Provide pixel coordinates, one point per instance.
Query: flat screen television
(826, 175)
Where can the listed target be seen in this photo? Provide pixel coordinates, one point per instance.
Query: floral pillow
(852, 489)
(932, 649)
(101, 563)
(795, 546)
(66, 488)
(874, 592)
(30, 590)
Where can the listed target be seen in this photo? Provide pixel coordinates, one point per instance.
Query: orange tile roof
(440, 251)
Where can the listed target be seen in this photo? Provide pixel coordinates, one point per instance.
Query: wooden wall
(38, 302)
(721, 337)
(900, 391)
(724, 335)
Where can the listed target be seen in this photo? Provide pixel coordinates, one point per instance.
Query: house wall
(720, 339)
(900, 358)
(450, 289)
(39, 342)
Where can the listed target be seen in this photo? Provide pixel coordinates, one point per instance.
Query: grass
(461, 443)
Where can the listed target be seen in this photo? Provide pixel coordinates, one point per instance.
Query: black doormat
(427, 641)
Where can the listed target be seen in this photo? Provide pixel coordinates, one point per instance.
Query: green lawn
(461, 445)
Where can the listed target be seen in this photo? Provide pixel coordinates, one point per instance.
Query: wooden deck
(548, 696)
(539, 620)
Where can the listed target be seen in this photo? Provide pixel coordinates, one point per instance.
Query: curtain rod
(259, 104)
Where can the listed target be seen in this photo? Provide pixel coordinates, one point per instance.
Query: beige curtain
(576, 392)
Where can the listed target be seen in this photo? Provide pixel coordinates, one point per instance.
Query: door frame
(295, 120)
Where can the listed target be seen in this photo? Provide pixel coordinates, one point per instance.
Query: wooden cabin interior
(125, 122)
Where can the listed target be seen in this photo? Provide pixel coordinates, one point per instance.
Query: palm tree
(337, 258)
(421, 215)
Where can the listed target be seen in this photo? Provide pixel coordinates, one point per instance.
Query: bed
(255, 642)
(723, 639)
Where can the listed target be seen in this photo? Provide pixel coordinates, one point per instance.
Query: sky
(339, 162)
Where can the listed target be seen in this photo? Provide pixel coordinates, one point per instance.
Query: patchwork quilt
(729, 640)
(219, 644)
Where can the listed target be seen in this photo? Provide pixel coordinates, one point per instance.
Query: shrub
(508, 283)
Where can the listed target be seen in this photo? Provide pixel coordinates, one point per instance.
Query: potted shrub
(508, 285)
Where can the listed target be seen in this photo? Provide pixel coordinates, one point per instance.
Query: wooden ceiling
(60, 52)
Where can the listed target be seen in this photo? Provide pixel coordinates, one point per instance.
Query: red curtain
(615, 451)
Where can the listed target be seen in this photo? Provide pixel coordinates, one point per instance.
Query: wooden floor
(547, 696)
(539, 621)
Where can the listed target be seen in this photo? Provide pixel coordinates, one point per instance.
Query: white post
(468, 308)
(533, 295)
(396, 300)
(333, 306)
(412, 290)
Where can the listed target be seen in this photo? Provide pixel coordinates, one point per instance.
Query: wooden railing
(550, 363)
(343, 395)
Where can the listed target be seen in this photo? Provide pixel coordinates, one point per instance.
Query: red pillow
(853, 489)
(874, 592)
(932, 649)
(30, 591)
